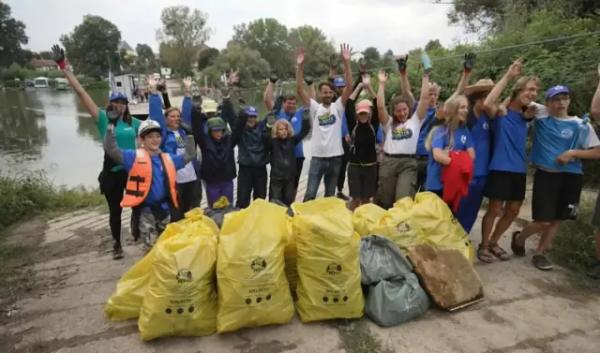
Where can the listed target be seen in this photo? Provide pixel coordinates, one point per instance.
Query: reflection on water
(50, 130)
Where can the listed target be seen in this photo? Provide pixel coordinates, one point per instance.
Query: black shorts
(362, 181)
(596, 216)
(555, 195)
(505, 186)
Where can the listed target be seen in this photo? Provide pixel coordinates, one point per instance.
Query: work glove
(469, 62)
(402, 62)
(58, 54)
(309, 80)
(273, 78)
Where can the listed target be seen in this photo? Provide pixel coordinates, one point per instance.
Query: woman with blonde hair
(453, 135)
(281, 142)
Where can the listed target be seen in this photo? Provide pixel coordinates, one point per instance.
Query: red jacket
(456, 177)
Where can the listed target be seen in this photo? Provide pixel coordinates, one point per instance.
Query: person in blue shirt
(557, 183)
(173, 137)
(453, 135)
(152, 192)
(478, 124)
(505, 185)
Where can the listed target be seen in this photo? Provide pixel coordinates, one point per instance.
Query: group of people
(472, 145)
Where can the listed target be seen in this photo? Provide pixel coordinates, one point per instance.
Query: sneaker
(594, 270)
(516, 248)
(117, 253)
(541, 262)
(341, 195)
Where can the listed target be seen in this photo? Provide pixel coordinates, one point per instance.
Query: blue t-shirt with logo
(440, 139)
(553, 136)
(425, 129)
(296, 121)
(510, 135)
(480, 132)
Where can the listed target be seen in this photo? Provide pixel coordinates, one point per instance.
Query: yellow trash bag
(328, 261)
(253, 289)
(366, 218)
(125, 303)
(398, 225)
(181, 299)
(290, 255)
(439, 225)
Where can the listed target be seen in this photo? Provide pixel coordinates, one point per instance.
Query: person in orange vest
(151, 182)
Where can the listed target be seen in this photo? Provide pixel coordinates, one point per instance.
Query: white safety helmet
(148, 126)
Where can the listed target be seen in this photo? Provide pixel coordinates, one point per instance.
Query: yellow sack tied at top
(328, 261)
(126, 302)
(181, 299)
(253, 289)
(437, 222)
(395, 224)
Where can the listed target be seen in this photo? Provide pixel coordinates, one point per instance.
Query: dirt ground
(72, 274)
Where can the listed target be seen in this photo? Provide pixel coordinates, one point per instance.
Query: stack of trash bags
(267, 261)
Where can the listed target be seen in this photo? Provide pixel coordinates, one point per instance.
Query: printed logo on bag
(184, 275)
(401, 133)
(403, 227)
(566, 133)
(334, 268)
(258, 264)
(326, 119)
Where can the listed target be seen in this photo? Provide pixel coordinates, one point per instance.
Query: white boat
(40, 82)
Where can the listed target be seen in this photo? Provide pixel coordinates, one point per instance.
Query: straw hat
(483, 85)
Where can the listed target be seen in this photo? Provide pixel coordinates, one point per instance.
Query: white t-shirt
(326, 140)
(402, 138)
(187, 173)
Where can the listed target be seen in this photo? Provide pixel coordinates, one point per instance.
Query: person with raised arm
(505, 185)
(326, 117)
(113, 177)
(398, 170)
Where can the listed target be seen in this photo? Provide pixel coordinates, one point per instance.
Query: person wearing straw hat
(479, 126)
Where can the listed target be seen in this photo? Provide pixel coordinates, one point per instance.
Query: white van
(40, 82)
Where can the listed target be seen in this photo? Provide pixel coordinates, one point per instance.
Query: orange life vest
(139, 179)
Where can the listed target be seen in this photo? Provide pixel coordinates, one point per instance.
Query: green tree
(183, 34)
(372, 57)
(92, 45)
(317, 47)
(145, 62)
(12, 36)
(207, 57)
(252, 67)
(270, 39)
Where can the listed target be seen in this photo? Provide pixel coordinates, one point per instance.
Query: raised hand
(362, 66)
(333, 61)
(366, 79)
(402, 61)
(515, 68)
(382, 76)
(309, 80)
(300, 56)
(58, 54)
(151, 81)
(469, 62)
(346, 51)
(234, 77)
(273, 78)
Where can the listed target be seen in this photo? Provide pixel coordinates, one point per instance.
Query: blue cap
(556, 90)
(339, 82)
(250, 111)
(118, 96)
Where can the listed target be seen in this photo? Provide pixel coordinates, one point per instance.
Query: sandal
(499, 252)
(484, 255)
(517, 249)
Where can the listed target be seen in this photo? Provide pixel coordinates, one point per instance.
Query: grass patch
(575, 244)
(26, 195)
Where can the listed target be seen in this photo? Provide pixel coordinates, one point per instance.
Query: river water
(44, 130)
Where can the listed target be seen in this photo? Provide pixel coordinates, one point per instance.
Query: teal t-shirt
(125, 134)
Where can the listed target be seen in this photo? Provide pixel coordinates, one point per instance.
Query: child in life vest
(151, 183)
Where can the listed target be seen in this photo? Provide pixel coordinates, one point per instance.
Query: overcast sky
(385, 24)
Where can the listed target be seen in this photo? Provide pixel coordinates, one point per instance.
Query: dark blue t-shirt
(510, 135)
(480, 132)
